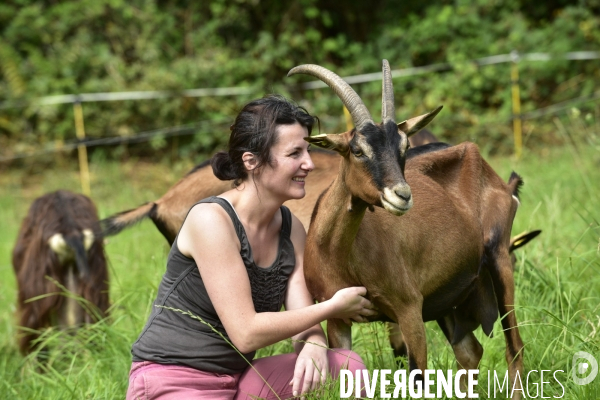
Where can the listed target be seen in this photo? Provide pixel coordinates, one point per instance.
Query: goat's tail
(515, 182)
(117, 222)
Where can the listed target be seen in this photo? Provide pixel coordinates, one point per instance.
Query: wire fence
(514, 57)
(140, 137)
(82, 143)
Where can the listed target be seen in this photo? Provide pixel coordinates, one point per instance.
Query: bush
(83, 46)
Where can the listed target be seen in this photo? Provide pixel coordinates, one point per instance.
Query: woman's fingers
(354, 306)
(317, 379)
(309, 375)
(298, 375)
(308, 378)
(369, 311)
(360, 290)
(359, 318)
(366, 303)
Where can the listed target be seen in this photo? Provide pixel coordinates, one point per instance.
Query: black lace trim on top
(268, 285)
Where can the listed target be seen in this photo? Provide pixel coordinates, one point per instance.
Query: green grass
(557, 278)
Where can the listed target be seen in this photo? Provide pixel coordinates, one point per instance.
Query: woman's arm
(297, 295)
(209, 237)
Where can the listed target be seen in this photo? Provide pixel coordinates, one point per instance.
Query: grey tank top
(171, 337)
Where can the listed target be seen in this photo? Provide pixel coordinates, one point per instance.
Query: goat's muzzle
(397, 199)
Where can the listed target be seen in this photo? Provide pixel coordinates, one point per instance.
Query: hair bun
(223, 167)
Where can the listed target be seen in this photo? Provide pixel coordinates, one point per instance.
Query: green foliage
(84, 46)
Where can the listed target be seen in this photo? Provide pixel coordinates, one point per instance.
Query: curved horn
(59, 246)
(88, 239)
(387, 94)
(57, 243)
(359, 112)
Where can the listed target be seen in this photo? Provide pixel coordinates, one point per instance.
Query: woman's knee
(344, 359)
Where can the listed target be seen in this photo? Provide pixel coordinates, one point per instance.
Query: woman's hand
(351, 305)
(311, 368)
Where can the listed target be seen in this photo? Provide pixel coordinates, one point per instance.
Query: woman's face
(290, 164)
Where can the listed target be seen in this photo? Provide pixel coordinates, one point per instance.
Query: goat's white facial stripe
(365, 147)
(71, 303)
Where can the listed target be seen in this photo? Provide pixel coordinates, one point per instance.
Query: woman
(236, 261)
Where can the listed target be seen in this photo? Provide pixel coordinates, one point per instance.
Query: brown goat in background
(170, 210)
(59, 244)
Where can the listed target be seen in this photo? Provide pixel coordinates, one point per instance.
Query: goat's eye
(357, 153)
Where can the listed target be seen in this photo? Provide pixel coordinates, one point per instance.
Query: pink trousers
(148, 380)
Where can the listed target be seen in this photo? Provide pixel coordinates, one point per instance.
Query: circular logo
(582, 368)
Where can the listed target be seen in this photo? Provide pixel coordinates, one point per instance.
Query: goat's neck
(339, 217)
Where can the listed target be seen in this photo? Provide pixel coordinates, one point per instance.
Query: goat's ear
(522, 239)
(414, 125)
(337, 142)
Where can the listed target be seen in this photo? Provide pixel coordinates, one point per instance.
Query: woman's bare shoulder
(207, 212)
(206, 225)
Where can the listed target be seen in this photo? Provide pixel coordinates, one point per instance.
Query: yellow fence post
(84, 171)
(516, 104)
(348, 117)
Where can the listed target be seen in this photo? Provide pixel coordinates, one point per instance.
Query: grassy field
(557, 277)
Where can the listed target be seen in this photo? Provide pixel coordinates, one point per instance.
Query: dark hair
(255, 131)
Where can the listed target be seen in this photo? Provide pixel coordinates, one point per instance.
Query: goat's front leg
(339, 334)
(410, 319)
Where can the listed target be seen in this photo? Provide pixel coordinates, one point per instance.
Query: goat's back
(169, 211)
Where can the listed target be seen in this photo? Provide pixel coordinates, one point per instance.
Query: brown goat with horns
(435, 250)
(59, 244)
